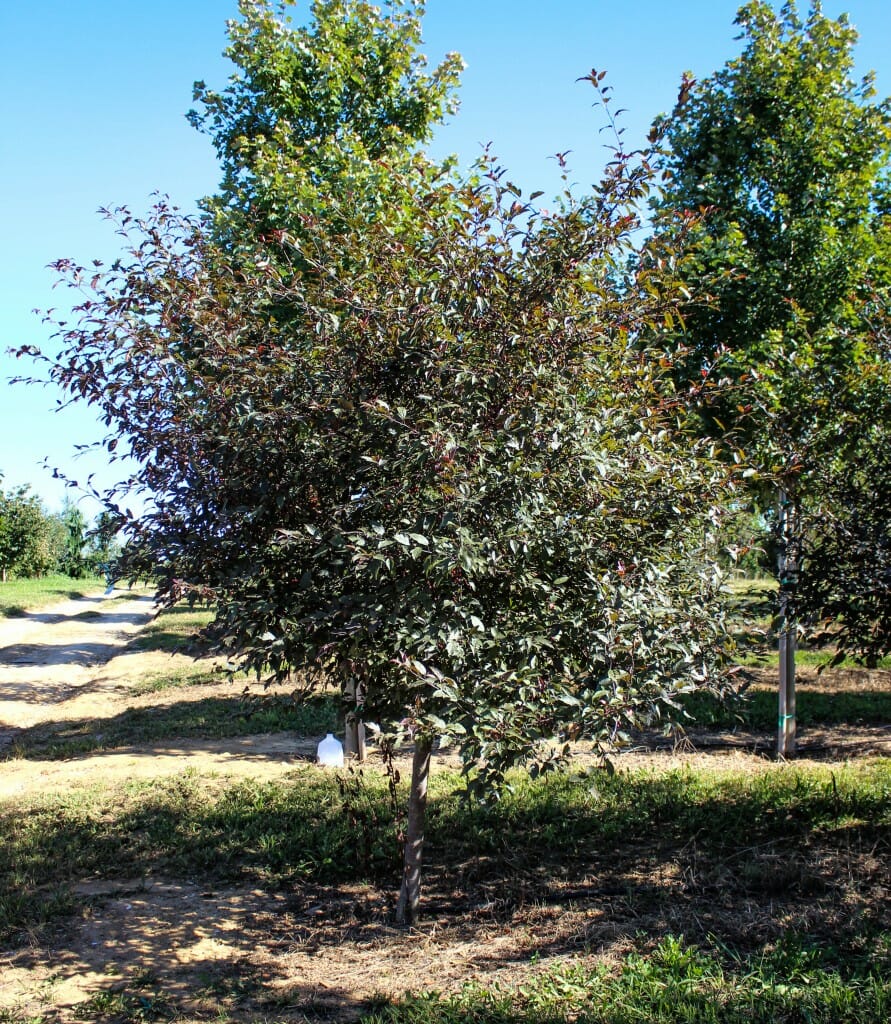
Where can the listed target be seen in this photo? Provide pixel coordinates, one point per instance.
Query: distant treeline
(34, 542)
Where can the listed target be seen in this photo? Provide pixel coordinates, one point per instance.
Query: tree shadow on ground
(92, 610)
(837, 741)
(292, 915)
(84, 654)
(175, 630)
(145, 949)
(210, 718)
(60, 593)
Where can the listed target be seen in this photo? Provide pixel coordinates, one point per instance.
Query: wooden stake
(354, 728)
(787, 564)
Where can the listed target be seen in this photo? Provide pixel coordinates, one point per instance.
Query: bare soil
(165, 948)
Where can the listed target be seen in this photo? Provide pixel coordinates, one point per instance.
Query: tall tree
(314, 115)
(787, 156)
(73, 562)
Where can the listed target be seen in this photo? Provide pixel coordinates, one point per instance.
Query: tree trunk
(410, 894)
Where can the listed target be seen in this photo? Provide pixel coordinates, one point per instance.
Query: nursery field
(169, 852)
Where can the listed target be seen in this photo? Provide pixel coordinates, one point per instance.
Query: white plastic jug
(330, 752)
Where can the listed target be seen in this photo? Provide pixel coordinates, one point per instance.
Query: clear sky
(94, 95)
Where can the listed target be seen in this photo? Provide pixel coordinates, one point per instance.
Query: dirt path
(50, 660)
(75, 660)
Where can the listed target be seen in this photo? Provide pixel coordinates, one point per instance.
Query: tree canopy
(787, 157)
(421, 437)
(26, 547)
(313, 115)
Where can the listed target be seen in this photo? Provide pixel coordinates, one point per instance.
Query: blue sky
(95, 93)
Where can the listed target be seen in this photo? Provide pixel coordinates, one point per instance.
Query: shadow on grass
(11, 608)
(567, 837)
(176, 629)
(576, 862)
(670, 983)
(210, 718)
(757, 709)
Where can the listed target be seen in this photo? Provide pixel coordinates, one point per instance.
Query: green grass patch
(753, 608)
(771, 835)
(211, 718)
(183, 676)
(766, 655)
(752, 593)
(174, 629)
(675, 983)
(757, 709)
(18, 597)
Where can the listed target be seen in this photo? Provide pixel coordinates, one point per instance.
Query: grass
(765, 655)
(183, 676)
(738, 896)
(211, 718)
(675, 982)
(757, 709)
(753, 602)
(18, 597)
(175, 629)
(784, 834)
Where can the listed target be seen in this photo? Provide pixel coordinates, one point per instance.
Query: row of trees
(34, 542)
(408, 430)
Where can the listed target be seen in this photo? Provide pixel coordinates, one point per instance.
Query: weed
(124, 1006)
(673, 983)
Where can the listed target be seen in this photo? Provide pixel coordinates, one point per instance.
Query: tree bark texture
(410, 894)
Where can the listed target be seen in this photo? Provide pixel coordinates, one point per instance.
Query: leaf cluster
(786, 155)
(310, 107)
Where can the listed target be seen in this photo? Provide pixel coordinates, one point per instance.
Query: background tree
(25, 535)
(103, 548)
(73, 561)
(788, 157)
(846, 589)
(427, 445)
(313, 115)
